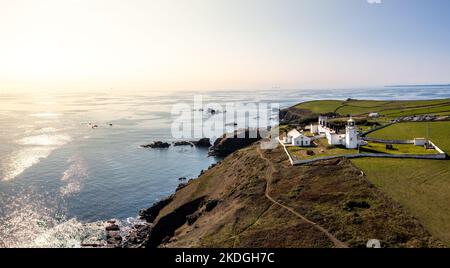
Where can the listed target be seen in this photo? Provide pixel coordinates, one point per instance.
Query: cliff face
(232, 142)
(293, 115)
(254, 198)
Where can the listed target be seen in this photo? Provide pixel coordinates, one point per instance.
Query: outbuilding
(420, 141)
(294, 137)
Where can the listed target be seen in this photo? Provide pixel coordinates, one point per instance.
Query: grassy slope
(422, 186)
(356, 107)
(418, 111)
(245, 218)
(318, 107)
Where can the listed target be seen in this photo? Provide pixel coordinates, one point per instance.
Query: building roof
(294, 133)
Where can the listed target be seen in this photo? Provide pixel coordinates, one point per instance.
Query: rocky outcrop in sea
(156, 144)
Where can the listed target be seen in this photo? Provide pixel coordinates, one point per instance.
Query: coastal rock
(183, 143)
(181, 186)
(138, 236)
(230, 143)
(211, 204)
(150, 214)
(212, 165)
(193, 217)
(156, 144)
(167, 224)
(295, 116)
(204, 142)
(112, 227)
(113, 237)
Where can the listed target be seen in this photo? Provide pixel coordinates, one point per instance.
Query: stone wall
(439, 156)
(389, 141)
(287, 152)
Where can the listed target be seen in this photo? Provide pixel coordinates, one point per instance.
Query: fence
(439, 156)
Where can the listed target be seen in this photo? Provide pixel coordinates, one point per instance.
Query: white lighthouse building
(349, 139)
(351, 135)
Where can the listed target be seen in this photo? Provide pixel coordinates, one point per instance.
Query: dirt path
(337, 242)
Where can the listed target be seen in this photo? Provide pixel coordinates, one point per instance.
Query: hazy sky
(222, 44)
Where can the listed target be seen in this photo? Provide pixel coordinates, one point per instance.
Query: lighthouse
(351, 135)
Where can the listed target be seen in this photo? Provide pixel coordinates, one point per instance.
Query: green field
(373, 147)
(322, 149)
(387, 108)
(421, 186)
(319, 107)
(438, 132)
(418, 111)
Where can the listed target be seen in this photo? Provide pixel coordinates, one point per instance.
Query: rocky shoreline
(149, 234)
(201, 143)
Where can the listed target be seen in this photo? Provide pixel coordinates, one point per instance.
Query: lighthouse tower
(351, 135)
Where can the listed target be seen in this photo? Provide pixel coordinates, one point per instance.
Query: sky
(222, 44)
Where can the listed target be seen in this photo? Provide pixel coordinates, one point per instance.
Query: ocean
(60, 178)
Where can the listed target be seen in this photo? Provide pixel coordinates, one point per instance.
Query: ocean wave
(32, 221)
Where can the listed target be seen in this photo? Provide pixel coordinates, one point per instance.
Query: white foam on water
(31, 223)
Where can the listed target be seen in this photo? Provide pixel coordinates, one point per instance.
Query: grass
(321, 149)
(354, 110)
(364, 128)
(357, 107)
(319, 107)
(373, 147)
(438, 132)
(413, 111)
(421, 186)
(367, 103)
(245, 218)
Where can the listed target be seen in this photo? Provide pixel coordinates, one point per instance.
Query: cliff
(231, 142)
(254, 198)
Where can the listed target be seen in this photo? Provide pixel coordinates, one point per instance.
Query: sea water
(60, 178)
